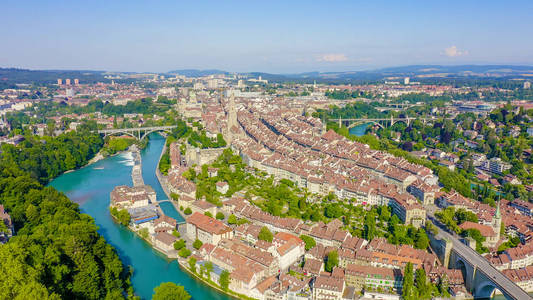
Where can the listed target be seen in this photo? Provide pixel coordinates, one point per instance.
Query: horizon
(278, 38)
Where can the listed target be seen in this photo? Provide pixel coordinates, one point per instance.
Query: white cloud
(332, 57)
(453, 51)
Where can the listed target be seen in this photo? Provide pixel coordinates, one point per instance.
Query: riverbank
(90, 188)
(163, 181)
(182, 262)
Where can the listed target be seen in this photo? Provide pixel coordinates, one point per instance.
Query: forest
(56, 252)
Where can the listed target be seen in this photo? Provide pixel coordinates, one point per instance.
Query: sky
(288, 36)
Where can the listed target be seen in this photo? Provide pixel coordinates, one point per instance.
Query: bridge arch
(485, 290)
(154, 130)
(352, 125)
(120, 132)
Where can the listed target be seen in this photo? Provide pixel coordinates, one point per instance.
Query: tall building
(406, 80)
(527, 85)
(59, 81)
(232, 117)
(76, 81)
(67, 81)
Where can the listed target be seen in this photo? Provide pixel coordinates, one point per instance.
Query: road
(503, 283)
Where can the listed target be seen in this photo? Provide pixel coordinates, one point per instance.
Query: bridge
(381, 122)
(138, 132)
(481, 277)
(397, 106)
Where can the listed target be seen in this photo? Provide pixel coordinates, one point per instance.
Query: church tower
(232, 117)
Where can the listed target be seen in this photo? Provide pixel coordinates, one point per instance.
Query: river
(90, 187)
(359, 130)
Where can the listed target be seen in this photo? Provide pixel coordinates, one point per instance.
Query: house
(125, 197)
(6, 218)
(207, 229)
(491, 237)
(383, 278)
(289, 249)
(203, 206)
(328, 287)
(165, 241)
(222, 187)
(165, 224)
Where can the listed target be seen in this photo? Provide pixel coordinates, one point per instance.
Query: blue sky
(270, 36)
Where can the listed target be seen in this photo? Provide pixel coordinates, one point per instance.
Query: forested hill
(57, 252)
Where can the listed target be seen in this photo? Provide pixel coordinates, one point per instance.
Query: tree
(220, 216)
(176, 233)
(179, 244)
(421, 239)
(197, 244)
(192, 264)
(232, 219)
(143, 232)
(309, 242)
(184, 252)
(265, 234)
(209, 214)
(332, 260)
(408, 289)
(369, 226)
(384, 213)
(170, 291)
(208, 269)
(443, 286)
(422, 287)
(188, 211)
(224, 280)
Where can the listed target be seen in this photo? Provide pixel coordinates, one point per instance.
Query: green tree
(143, 232)
(188, 211)
(424, 291)
(309, 242)
(184, 252)
(408, 289)
(170, 291)
(197, 244)
(209, 214)
(179, 244)
(220, 216)
(192, 264)
(224, 280)
(265, 234)
(332, 260)
(208, 269)
(421, 239)
(232, 219)
(369, 226)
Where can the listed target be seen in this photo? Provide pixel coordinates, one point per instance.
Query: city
(387, 180)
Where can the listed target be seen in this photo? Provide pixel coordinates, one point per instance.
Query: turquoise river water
(90, 187)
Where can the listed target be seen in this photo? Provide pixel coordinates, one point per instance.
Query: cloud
(453, 51)
(332, 57)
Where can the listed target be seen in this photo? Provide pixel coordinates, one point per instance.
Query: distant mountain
(197, 73)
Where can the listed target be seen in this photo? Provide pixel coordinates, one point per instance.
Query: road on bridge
(503, 283)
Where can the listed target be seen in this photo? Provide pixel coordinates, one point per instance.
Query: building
(132, 197)
(495, 165)
(527, 85)
(76, 81)
(207, 229)
(165, 241)
(67, 81)
(9, 229)
(383, 278)
(289, 249)
(59, 81)
(328, 287)
(406, 80)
